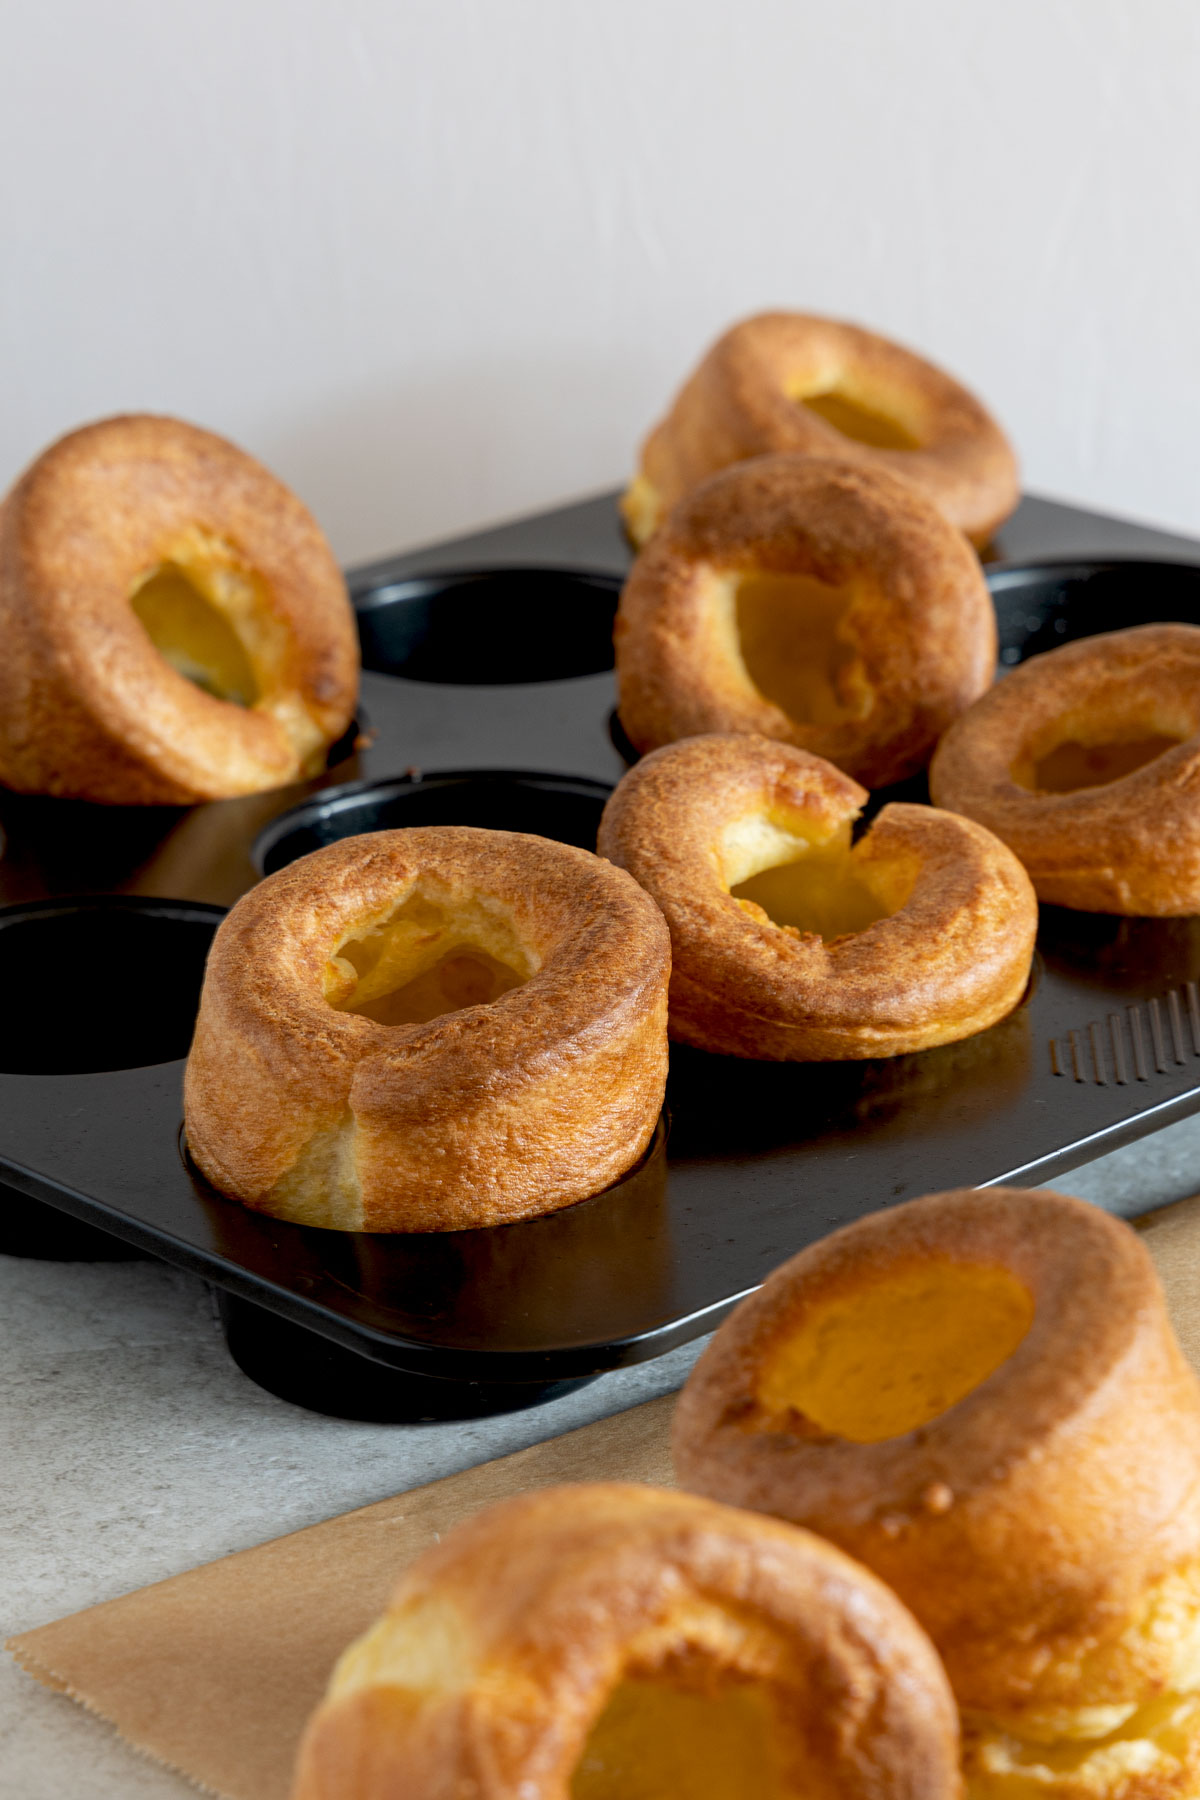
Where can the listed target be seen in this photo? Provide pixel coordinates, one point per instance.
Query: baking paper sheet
(215, 1672)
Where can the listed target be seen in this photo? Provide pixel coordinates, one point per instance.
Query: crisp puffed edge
(1131, 846)
(485, 1115)
(923, 622)
(736, 405)
(953, 959)
(1028, 1525)
(503, 1644)
(88, 707)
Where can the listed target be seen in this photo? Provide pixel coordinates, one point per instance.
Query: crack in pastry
(791, 943)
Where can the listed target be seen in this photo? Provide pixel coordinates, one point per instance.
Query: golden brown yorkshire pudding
(822, 604)
(979, 1395)
(428, 1030)
(793, 382)
(1086, 761)
(788, 943)
(175, 627)
(613, 1642)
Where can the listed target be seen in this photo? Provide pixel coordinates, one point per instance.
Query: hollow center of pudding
(850, 415)
(820, 891)
(427, 957)
(210, 615)
(658, 1741)
(196, 637)
(1073, 765)
(793, 643)
(898, 1350)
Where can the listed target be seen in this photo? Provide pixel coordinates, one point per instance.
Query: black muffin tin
(498, 711)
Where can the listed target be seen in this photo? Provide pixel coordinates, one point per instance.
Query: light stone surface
(132, 1448)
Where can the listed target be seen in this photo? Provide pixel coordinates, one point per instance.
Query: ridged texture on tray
(950, 957)
(482, 1115)
(1128, 845)
(734, 1656)
(1044, 1527)
(917, 639)
(89, 707)
(746, 398)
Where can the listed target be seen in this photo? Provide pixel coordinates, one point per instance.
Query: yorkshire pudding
(979, 1395)
(788, 943)
(822, 604)
(427, 1030)
(789, 381)
(613, 1642)
(175, 626)
(1086, 761)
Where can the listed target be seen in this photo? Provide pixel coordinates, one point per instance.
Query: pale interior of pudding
(430, 954)
(641, 508)
(1073, 765)
(688, 1723)
(898, 1350)
(659, 1741)
(809, 884)
(1096, 1748)
(1153, 1744)
(209, 615)
(851, 413)
(424, 1645)
(789, 632)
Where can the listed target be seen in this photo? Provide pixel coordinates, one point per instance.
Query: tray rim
(361, 1336)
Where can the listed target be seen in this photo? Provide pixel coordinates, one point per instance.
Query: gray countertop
(133, 1449)
(132, 1446)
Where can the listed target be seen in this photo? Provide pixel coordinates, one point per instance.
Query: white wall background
(438, 261)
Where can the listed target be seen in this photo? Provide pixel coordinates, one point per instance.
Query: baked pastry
(822, 604)
(791, 381)
(175, 626)
(614, 1642)
(1086, 761)
(979, 1395)
(427, 1030)
(789, 943)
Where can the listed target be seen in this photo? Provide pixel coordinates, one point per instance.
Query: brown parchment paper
(215, 1672)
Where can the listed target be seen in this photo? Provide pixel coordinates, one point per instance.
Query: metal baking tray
(503, 716)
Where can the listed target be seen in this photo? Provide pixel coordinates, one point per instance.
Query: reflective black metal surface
(752, 1161)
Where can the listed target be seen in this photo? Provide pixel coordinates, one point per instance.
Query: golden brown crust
(952, 959)
(1129, 846)
(88, 706)
(1025, 1524)
(921, 622)
(488, 1114)
(739, 404)
(502, 1646)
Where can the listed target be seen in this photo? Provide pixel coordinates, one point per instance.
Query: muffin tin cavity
(612, 1254)
(564, 807)
(760, 1158)
(100, 984)
(488, 627)
(1042, 605)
